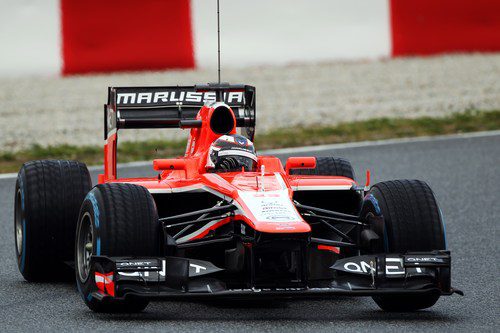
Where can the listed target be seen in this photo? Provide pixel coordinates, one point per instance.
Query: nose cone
(266, 203)
(272, 211)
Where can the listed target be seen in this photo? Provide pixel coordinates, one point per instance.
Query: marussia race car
(220, 222)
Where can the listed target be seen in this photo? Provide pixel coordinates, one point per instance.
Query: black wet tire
(413, 223)
(124, 222)
(328, 166)
(48, 197)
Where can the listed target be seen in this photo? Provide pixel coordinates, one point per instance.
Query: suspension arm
(222, 209)
(331, 242)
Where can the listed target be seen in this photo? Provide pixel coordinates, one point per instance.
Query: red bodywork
(249, 190)
(263, 233)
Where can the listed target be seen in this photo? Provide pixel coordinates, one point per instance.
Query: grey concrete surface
(465, 176)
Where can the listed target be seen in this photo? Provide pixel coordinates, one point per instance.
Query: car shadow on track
(341, 309)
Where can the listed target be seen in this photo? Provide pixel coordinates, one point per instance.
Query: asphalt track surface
(465, 175)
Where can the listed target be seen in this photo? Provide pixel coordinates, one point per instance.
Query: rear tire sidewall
(47, 199)
(20, 222)
(34, 265)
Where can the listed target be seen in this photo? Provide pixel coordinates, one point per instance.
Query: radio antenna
(218, 42)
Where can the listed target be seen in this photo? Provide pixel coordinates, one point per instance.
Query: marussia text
(158, 97)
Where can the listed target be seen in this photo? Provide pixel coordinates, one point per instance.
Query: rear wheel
(115, 220)
(48, 197)
(328, 166)
(412, 223)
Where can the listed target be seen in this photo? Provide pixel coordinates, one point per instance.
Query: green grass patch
(374, 129)
(381, 128)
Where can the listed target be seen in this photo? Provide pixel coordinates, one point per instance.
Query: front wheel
(412, 223)
(115, 220)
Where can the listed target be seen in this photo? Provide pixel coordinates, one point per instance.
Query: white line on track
(8, 175)
(361, 144)
(336, 146)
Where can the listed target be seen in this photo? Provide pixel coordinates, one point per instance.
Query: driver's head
(231, 153)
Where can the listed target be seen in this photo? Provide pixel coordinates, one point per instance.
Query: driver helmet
(231, 152)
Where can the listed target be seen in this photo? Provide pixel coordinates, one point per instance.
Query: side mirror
(169, 164)
(300, 163)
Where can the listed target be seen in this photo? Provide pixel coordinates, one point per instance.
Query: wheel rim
(19, 224)
(84, 247)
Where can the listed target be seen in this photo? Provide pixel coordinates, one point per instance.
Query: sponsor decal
(270, 206)
(155, 271)
(176, 96)
(361, 267)
(136, 263)
(424, 259)
(366, 265)
(196, 267)
(394, 266)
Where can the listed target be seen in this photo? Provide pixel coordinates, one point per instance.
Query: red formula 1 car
(222, 222)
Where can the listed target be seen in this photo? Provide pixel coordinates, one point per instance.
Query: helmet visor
(235, 160)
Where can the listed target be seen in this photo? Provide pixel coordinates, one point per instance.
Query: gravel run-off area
(52, 111)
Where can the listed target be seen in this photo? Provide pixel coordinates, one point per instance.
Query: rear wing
(175, 106)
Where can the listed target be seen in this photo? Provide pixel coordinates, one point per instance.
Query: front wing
(174, 278)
